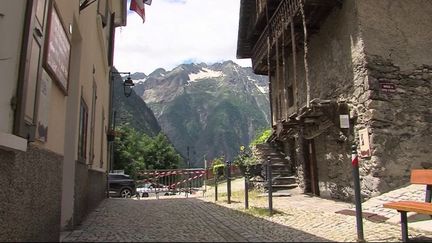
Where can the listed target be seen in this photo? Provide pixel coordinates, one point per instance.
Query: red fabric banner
(138, 7)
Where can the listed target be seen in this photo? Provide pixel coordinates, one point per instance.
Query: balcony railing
(284, 13)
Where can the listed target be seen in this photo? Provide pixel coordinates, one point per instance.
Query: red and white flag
(138, 7)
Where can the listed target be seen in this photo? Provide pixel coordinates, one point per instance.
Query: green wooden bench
(423, 177)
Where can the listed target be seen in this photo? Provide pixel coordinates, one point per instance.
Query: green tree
(135, 151)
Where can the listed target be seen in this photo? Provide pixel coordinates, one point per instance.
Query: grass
(238, 197)
(259, 211)
(222, 180)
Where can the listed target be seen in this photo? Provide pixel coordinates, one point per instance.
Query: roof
(244, 45)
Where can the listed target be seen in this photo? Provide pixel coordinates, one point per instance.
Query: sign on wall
(57, 50)
(365, 150)
(387, 86)
(344, 121)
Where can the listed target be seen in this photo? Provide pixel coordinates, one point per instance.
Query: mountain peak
(158, 72)
(194, 102)
(138, 77)
(229, 62)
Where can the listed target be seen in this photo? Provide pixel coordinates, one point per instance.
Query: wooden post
(216, 185)
(305, 54)
(294, 54)
(270, 186)
(246, 189)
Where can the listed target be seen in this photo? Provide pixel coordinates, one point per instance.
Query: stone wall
(393, 100)
(400, 122)
(335, 57)
(333, 165)
(90, 190)
(336, 63)
(30, 195)
(376, 61)
(398, 30)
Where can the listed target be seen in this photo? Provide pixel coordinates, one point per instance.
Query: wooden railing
(283, 15)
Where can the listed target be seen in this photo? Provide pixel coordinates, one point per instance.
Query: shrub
(218, 166)
(262, 138)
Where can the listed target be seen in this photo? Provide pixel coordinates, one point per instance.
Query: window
(102, 139)
(26, 115)
(92, 124)
(290, 96)
(82, 136)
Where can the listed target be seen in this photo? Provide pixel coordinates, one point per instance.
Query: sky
(177, 32)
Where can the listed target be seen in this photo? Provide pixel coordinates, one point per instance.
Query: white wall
(11, 25)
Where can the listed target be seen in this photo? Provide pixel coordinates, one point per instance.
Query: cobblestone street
(179, 219)
(198, 219)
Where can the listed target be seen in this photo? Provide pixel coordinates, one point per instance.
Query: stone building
(55, 61)
(345, 72)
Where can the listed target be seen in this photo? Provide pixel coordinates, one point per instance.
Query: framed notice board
(57, 49)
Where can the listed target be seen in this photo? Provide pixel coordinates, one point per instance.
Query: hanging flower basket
(111, 135)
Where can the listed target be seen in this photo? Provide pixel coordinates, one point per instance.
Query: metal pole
(428, 193)
(216, 185)
(188, 161)
(246, 190)
(113, 142)
(187, 181)
(107, 185)
(356, 177)
(270, 186)
(229, 181)
(206, 177)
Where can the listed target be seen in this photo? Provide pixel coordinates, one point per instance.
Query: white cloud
(176, 32)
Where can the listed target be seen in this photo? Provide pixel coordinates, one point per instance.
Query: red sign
(57, 50)
(387, 87)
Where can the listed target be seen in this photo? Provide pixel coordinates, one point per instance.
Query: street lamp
(127, 91)
(127, 86)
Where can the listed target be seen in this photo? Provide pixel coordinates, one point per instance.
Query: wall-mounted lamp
(128, 84)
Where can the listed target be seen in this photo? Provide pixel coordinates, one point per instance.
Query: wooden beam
(329, 3)
(294, 54)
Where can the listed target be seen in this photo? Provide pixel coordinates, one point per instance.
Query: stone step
(281, 169)
(282, 193)
(284, 175)
(279, 164)
(284, 180)
(263, 145)
(282, 186)
(275, 159)
(271, 155)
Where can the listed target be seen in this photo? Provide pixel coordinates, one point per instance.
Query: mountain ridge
(208, 110)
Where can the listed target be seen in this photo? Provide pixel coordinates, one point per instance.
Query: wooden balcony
(254, 29)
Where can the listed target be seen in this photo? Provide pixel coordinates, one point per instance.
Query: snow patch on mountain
(260, 88)
(205, 73)
(140, 81)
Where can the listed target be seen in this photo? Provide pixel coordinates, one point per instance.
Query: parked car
(144, 190)
(121, 185)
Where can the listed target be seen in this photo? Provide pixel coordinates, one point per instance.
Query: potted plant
(218, 167)
(110, 135)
